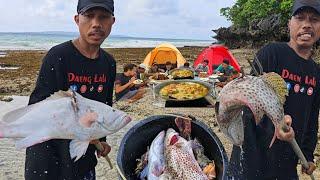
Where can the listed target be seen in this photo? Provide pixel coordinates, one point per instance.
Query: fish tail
(273, 139)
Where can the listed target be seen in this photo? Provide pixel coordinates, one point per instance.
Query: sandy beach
(17, 84)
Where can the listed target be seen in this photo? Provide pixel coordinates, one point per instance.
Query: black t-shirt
(121, 80)
(302, 104)
(65, 67)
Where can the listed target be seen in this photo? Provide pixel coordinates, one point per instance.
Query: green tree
(245, 11)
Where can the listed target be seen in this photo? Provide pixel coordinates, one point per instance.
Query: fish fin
(60, 94)
(16, 114)
(78, 148)
(273, 138)
(144, 173)
(31, 140)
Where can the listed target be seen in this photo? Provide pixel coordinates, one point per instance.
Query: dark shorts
(91, 175)
(128, 95)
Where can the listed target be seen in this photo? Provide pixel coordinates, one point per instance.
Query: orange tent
(163, 53)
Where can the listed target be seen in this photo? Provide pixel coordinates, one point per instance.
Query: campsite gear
(180, 161)
(182, 73)
(136, 140)
(264, 95)
(164, 53)
(159, 87)
(156, 161)
(63, 115)
(215, 54)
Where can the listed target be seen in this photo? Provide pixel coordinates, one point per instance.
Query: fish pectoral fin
(16, 114)
(31, 140)
(78, 148)
(273, 138)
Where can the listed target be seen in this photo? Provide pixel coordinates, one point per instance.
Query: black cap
(84, 5)
(300, 4)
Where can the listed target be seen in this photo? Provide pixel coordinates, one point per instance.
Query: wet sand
(21, 82)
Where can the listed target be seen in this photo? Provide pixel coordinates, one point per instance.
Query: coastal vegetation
(255, 23)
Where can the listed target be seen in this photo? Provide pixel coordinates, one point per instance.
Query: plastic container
(136, 140)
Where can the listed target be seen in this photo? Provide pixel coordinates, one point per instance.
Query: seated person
(224, 68)
(202, 67)
(155, 69)
(225, 79)
(141, 70)
(125, 88)
(168, 67)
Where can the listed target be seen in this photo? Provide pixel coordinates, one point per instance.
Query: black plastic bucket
(136, 140)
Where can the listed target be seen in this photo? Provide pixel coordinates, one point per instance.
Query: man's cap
(301, 4)
(84, 5)
(142, 66)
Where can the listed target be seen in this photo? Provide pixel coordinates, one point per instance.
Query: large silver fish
(156, 161)
(264, 95)
(64, 115)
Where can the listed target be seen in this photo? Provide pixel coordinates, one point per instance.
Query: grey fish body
(252, 92)
(58, 118)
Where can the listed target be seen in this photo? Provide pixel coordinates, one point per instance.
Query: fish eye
(113, 110)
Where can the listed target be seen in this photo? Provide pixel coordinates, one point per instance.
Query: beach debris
(63, 115)
(180, 161)
(264, 95)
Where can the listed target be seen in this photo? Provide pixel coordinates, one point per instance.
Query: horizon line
(114, 35)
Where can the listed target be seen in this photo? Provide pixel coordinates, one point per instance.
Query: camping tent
(163, 53)
(215, 55)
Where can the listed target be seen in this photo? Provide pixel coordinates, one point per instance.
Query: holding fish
(64, 115)
(264, 95)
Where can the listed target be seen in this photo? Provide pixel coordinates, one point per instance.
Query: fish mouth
(125, 119)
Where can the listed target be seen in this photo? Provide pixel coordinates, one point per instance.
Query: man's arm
(119, 88)
(219, 69)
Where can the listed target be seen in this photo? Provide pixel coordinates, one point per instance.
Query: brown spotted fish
(264, 95)
(64, 115)
(180, 161)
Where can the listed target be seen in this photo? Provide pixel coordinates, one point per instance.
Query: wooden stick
(297, 150)
(101, 148)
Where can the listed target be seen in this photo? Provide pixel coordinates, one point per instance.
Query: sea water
(46, 40)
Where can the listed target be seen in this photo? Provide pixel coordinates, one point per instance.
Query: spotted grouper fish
(264, 95)
(63, 115)
(180, 161)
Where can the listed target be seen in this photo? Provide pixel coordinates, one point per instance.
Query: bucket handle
(120, 172)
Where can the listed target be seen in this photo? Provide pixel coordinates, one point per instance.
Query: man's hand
(283, 135)
(309, 171)
(132, 79)
(106, 148)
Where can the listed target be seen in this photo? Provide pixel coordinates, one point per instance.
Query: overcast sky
(192, 19)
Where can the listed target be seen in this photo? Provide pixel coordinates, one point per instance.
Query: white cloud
(151, 18)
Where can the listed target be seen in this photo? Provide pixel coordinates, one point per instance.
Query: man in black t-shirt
(83, 66)
(127, 87)
(293, 62)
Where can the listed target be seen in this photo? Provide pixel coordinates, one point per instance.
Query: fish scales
(254, 92)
